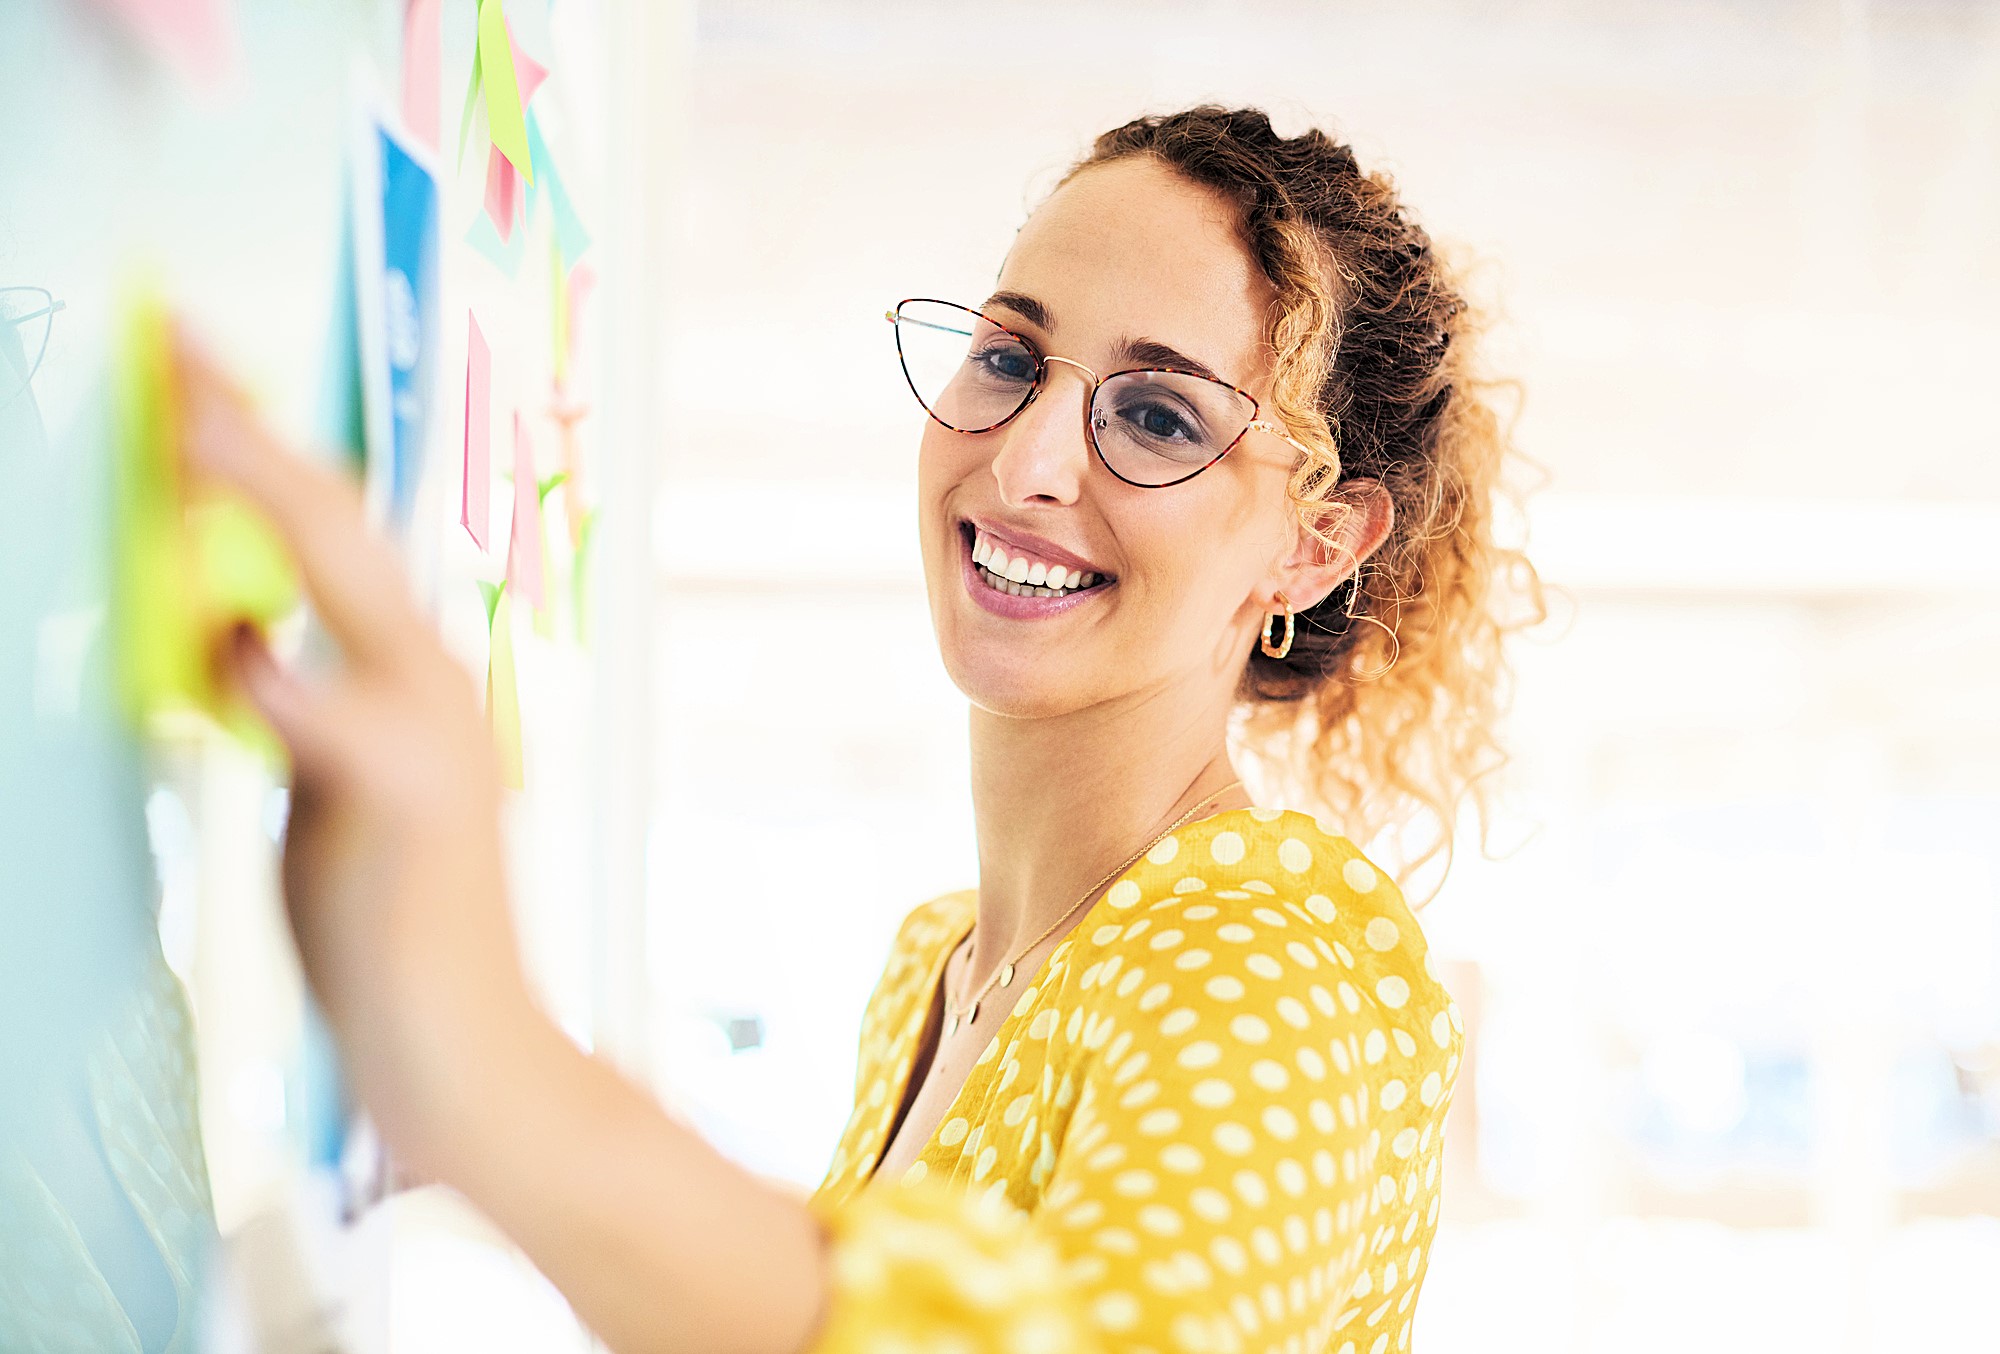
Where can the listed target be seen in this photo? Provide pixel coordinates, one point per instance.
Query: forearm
(658, 1241)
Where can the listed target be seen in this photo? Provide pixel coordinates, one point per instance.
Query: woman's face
(1123, 258)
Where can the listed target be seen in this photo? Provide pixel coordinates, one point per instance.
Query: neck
(1059, 802)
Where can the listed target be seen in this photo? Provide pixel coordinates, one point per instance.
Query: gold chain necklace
(1006, 974)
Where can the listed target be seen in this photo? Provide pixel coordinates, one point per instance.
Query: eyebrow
(1143, 352)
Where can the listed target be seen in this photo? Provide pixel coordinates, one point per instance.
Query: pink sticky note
(503, 193)
(527, 75)
(198, 36)
(422, 57)
(524, 548)
(472, 503)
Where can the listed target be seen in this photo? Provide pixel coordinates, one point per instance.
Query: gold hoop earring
(1283, 647)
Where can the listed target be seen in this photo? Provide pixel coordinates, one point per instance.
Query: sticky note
(503, 91)
(528, 73)
(196, 36)
(193, 557)
(505, 255)
(503, 194)
(579, 577)
(473, 506)
(423, 60)
(503, 697)
(472, 87)
(570, 234)
(545, 617)
(524, 546)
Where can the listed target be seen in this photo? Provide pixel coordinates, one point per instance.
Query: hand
(393, 873)
(393, 882)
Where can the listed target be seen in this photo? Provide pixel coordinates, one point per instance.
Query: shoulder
(935, 922)
(925, 930)
(1268, 927)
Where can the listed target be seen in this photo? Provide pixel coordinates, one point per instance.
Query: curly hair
(1384, 711)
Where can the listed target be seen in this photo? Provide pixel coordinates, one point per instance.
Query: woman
(1174, 1075)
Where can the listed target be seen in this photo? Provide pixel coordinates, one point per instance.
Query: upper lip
(1027, 543)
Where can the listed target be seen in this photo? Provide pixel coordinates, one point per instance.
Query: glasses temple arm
(894, 318)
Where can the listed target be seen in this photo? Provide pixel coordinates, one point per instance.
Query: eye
(1008, 362)
(1159, 420)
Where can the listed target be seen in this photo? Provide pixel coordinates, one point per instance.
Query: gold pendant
(973, 1014)
(1006, 975)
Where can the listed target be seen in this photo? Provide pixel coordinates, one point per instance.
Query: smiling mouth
(1011, 571)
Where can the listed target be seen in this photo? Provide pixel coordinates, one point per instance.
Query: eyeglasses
(1150, 426)
(29, 313)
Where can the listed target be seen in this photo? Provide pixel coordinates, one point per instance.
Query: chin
(1002, 684)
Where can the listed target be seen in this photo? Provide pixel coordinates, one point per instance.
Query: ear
(1359, 516)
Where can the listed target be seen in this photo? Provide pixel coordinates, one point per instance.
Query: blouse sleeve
(1251, 1161)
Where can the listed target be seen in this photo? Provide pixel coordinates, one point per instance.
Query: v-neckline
(908, 1067)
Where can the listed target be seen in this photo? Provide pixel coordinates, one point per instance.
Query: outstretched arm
(397, 899)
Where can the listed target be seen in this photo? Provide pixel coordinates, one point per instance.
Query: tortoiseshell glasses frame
(1093, 419)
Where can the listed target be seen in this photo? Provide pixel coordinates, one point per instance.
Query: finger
(352, 574)
(305, 721)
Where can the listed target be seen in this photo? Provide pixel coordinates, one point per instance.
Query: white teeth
(1024, 577)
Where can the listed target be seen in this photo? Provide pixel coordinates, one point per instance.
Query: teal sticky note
(571, 237)
(506, 255)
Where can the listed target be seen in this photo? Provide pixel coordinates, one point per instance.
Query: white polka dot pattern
(1212, 1122)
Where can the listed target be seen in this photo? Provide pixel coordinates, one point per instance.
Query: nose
(1043, 455)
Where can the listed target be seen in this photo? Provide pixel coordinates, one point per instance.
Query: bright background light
(1735, 1079)
(1732, 980)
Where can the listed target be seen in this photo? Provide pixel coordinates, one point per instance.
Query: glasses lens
(25, 314)
(971, 374)
(1155, 427)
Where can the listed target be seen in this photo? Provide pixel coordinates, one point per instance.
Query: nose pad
(1089, 393)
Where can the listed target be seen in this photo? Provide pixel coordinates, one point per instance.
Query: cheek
(944, 460)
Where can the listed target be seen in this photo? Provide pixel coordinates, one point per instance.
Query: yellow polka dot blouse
(1212, 1121)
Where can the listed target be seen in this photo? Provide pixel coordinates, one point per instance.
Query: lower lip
(1018, 608)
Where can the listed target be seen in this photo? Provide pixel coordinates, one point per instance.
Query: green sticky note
(471, 102)
(579, 578)
(503, 700)
(503, 91)
(241, 564)
(152, 604)
(193, 559)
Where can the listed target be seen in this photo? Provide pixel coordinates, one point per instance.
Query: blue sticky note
(410, 311)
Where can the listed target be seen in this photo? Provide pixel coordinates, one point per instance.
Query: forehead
(1132, 250)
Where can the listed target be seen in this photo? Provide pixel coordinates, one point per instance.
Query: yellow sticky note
(192, 558)
(579, 577)
(504, 122)
(503, 700)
